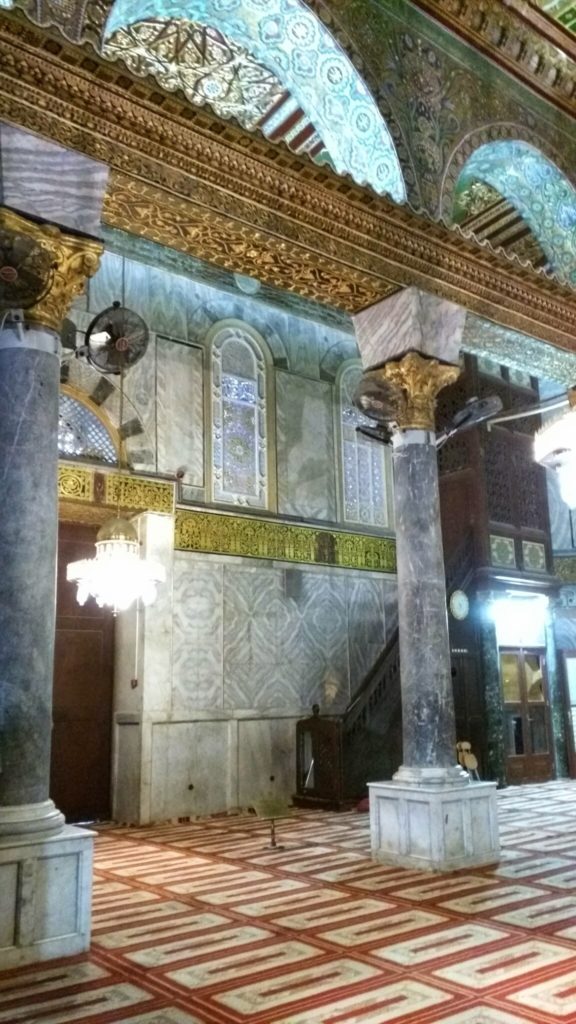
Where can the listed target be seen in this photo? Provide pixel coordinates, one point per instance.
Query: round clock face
(459, 604)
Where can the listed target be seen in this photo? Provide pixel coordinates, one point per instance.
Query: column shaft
(427, 703)
(29, 381)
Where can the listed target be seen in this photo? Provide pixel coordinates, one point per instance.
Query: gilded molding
(565, 568)
(242, 536)
(108, 490)
(407, 389)
(275, 221)
(73, 259)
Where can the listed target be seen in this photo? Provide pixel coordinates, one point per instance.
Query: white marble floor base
(434, 827)
(45, 896)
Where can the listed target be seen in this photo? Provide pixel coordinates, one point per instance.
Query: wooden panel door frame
(527, 764)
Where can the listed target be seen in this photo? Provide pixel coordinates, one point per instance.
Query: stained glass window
(81, 434)
(364, 474)
(239, 457)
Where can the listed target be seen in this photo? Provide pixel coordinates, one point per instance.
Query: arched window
(239, 429)
(365, 464)
(82, 433)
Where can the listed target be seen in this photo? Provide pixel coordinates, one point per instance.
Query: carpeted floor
(202, 923)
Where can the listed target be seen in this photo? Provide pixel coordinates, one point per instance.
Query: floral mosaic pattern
(539, 191)
(289, 40)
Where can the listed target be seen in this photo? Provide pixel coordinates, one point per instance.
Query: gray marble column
(429, 815)
(429, 738)
(29, 383)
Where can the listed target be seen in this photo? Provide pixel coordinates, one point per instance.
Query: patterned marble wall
(306, 458)
(264, 637)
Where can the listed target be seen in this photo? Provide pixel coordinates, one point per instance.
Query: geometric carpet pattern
(202, 922)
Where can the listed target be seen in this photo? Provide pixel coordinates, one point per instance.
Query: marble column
(429, 815)
(45, 865)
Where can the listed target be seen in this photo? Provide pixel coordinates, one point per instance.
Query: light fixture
(555, 448)
(117, 575)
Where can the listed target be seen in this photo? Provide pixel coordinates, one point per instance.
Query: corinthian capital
(404, 391)
(42, 268)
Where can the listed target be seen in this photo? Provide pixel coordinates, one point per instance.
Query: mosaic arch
(538, 190)
(287, 38)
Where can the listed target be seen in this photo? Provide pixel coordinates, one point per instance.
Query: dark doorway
(83, 680)
(526, 716)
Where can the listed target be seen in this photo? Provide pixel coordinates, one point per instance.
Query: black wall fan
(116, 339)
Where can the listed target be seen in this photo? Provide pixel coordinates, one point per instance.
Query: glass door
(526, 716)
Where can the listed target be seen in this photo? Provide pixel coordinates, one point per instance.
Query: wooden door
(82, 704)
(527, 734)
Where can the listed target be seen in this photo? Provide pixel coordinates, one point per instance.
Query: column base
(434, 826)
(45, 896)
(38, 821)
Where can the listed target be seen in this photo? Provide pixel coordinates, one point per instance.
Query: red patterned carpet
(201, 923)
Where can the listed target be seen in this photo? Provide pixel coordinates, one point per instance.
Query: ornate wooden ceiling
(185, 179)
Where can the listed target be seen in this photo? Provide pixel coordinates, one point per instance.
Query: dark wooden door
(527, 733)
(83, 679)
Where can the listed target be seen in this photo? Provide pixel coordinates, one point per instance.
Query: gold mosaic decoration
(133, 492)
(75, 483)
(215, 534)
(80, 486)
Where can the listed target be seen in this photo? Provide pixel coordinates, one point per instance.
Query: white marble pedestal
(434, 827)
(45, 896)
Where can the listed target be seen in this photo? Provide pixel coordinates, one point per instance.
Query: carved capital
(43, 269)
(404, 391)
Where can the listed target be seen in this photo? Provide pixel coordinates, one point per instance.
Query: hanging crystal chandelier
(117, 575)
(555, 448)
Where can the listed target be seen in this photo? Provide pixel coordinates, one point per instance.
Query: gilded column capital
(404, 391)
(42, 268)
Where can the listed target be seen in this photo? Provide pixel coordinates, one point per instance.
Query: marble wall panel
(159, 296)
(180, 409)
(126, 777)
(565, 628)
(366, 625)
(560, 524)
(305, 438)
(266, 759)
(189, 769)
(197, 635)
(107, 285)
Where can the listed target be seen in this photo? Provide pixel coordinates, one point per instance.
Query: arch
(84, 431)
(538, 190)
(496, 132)
(290, 40)
(240, 438)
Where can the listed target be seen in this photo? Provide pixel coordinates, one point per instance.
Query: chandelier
(555, 448)
(117, 575)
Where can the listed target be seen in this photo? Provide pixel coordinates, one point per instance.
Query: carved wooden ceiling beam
(199, 185)
(522, 39)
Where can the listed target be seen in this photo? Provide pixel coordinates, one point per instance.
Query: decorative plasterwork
(249, 537)
(565, 567)
(177, 182)
(524, 41)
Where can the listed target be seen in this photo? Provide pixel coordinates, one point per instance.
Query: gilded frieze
(81, 486)
(211, 533)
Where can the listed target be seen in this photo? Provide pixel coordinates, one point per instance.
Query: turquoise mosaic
(290, 40)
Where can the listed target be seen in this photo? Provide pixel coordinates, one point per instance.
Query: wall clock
(459, 604)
